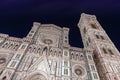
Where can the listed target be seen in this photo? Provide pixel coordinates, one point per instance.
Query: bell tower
(105, 54)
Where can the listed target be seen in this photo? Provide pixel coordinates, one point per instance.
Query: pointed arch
(37, 75)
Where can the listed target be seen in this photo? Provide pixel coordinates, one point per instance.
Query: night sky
(17, 16)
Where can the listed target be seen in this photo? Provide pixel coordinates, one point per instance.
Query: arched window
(10, 46)
(57, 54)
(71, 57)
(74, 56)
(38, 51)
(84, 30)
(16, 46)
(65, 53)
(97, 36)
(89, 57)
(102, 37)
(95, 76)
(77, 56)
(93, 26)
(110, 51)
(23, 46)
(32, 31)
(60, 53)
(104, 50)
(5, 45)
(34, 49)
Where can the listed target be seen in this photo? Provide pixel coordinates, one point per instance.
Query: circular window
(48, 41)
(78, 72)
(2, 60)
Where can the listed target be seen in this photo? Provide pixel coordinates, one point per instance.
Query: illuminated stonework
(45, 54)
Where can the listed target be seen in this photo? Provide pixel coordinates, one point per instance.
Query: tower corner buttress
(95, 37)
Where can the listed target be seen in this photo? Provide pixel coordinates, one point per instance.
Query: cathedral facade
(45, 54)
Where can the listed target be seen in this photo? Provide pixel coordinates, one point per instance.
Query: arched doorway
(37, 76)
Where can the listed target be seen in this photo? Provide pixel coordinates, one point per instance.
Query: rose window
(78, 72)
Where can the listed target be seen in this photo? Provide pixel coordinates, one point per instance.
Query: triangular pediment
(40, 65)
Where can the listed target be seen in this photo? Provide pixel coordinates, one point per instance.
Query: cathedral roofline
(51, 25)
(3, 35)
